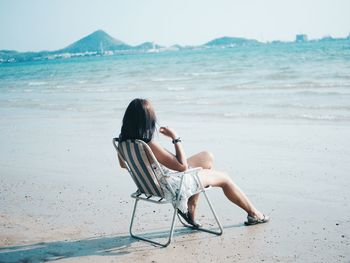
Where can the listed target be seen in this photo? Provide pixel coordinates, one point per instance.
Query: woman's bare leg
(214, 178)
(231, 190)
(205, 160)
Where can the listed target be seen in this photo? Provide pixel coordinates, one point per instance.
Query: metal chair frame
(139, 196)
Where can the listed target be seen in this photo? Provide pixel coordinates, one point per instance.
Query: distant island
(99, 43)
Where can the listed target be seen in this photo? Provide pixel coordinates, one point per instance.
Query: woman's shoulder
(158, 150)
(154, 145)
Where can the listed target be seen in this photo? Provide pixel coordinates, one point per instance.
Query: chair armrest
(188, 171)
(192, 170)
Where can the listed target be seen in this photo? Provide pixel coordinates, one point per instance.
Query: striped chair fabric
(134, 153)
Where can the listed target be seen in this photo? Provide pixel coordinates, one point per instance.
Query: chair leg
(132, 217)
(171, 232)
(215, 216)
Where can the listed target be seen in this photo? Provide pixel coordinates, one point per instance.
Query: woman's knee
(202, 159)
(214, 178)
(222, 179)
(209, 155)
(225, 179)
(208, 158)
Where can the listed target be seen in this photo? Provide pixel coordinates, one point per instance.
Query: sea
(281, 81)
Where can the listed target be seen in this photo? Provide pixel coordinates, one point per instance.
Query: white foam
(37, 83)
(168, 79)
(176, 88)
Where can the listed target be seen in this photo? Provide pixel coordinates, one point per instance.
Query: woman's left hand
(168, 132)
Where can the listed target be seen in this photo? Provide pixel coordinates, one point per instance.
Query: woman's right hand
(168, 132)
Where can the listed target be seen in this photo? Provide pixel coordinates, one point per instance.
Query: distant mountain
(99, 41)
(147, 46)
(230, 42)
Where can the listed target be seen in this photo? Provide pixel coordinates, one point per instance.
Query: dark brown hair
(139, 121)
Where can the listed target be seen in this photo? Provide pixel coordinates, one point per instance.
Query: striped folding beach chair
(145, 171)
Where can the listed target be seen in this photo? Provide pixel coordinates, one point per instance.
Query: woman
(139, 123)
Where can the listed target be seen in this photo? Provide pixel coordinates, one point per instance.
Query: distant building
(301, 38)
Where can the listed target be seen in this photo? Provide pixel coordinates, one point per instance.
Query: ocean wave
(281, 76)
(311, 117)
(182, 102)
(342, 76)
(324, 117)
(37, 83)
(321, 93)
(207, 73)
(230, 115)
(297, 87)
(206, 102)
(169, 79)
(310, 107)
(176, 88)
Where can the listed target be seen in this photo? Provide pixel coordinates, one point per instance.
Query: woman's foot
(189, 219)
(254, 220)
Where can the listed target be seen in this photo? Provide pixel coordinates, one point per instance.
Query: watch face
(177, 140)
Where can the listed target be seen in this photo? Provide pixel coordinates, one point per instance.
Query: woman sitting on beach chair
(139, 123)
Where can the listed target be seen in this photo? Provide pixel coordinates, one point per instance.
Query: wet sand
(63, 196)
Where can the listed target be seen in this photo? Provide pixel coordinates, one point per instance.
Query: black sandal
(251, 220)
(188, 218)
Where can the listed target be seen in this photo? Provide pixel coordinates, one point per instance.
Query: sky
(33, 25)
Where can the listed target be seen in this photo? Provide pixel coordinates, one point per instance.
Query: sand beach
(63, 197)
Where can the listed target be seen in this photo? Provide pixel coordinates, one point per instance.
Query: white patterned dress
(170, 184)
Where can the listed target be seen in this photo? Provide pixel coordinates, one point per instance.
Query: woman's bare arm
(177, 162)
(121, 162)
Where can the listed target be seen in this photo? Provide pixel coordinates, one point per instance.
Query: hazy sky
(53, 24)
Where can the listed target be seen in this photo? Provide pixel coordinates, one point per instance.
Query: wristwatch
(176, 140)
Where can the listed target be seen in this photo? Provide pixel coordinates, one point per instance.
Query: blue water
(307, 81)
